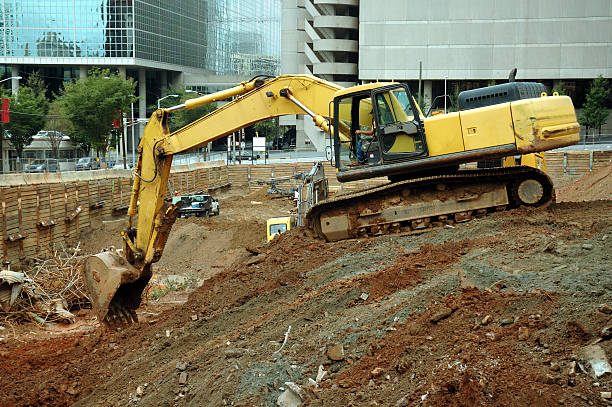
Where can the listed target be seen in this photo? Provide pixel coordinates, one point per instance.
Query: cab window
(279, 228)
(399, 133)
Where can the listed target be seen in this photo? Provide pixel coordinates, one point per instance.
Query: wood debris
(47, 291)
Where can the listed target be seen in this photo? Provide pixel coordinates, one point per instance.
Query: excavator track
(419, 204)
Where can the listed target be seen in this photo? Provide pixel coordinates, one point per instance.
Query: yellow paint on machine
(544, 123)
(487, 127)
(450, 126)
(276, 226)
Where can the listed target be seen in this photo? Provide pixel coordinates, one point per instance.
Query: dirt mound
(478, 364)
(593, 186)
(490, 312)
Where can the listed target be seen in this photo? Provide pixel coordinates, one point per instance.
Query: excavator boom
(116, 284)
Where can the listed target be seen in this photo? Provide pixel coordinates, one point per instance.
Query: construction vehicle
(420, 156)
(276, 226)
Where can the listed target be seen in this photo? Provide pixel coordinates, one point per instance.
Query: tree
(27, 113)
(594, 113)
(559, 88)
(267, 128)
(422, 102)
(57, 126)
(93, 103)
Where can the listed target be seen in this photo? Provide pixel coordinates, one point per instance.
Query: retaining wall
(40, 210)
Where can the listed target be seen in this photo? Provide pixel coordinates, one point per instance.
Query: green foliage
(182, 118)
(454, 99)
(167, 286)
(594, 113)
(559, 88)
(27, 113)
(92, 103)
(57, 118)
(422, 103)
(267, 128)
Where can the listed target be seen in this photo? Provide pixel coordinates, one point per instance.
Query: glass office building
(219, 36)
(244, 37)
(157, 43)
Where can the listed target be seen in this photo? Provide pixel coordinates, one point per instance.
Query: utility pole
(133, 143)
(240, 134)
(123, 137)
(421, 80)
(234, 148)
(445, 94)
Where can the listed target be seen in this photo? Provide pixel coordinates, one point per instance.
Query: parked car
(128, 161)
(200, 205)
(87, 163)
(48, 165)
(245, 155)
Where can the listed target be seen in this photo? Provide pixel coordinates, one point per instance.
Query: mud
(489, 312)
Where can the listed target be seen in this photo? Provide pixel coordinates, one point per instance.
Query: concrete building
(470, 44)
(203, 44)
(319, 37)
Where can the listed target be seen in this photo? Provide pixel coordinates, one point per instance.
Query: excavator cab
(384, 123)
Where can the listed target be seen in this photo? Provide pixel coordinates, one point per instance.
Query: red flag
(117, 122)
(5, 110)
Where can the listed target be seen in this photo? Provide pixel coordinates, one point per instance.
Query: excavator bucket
(115, 288)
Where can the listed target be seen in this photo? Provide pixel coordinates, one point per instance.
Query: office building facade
(319, 37)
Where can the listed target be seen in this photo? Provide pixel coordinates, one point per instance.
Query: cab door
(399, 127)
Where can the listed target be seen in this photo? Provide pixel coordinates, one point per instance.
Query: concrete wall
(484, 39)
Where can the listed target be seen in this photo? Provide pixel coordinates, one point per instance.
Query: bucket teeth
(115, 288)
(119, 317)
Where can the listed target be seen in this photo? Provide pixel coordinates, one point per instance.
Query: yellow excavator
(378, 130)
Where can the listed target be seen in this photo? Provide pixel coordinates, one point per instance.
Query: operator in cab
(364, 138)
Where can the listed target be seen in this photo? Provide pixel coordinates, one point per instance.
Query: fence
(593, 139)
(39, 210)
(38, 165)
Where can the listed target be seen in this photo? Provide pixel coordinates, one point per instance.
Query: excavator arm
(116, 283)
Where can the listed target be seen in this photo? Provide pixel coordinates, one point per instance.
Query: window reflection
(223, 36)
(61, 28)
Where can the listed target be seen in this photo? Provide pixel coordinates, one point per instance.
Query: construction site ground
(490, 312)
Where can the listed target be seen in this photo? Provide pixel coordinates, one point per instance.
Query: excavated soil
(486, 313)
(593, 186)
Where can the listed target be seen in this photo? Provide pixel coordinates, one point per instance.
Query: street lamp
(192, 91)
(12, 77)
(165, 97)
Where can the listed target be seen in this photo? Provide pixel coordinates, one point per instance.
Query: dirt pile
(490, 312)
(593, 186)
